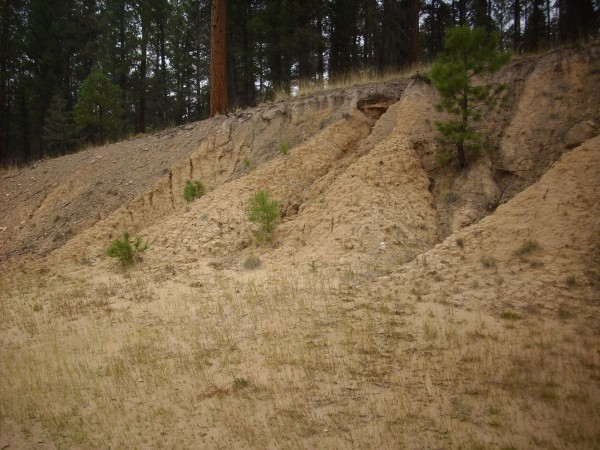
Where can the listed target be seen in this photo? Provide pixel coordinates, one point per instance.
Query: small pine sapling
(193, 190)
(127, 251)
(263, 210)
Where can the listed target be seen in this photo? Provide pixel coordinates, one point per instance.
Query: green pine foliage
(127, 251)
(467, 54)
(99, 111)
(60, 134)
(264, 211)
(193, 190)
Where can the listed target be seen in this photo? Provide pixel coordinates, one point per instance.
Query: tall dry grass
(322, 358)
(9, 169)
(353, 78)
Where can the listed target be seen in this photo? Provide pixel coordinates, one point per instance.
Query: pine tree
(536, 31)
(143, 12)
(48, 44)
(501, 16)
(264, 210)
(60, 134)
(343, 51)
(241, 34)
(12, 30)
(437, 17)
(218, 58)
(577, 20)
(468, 53)
(99, 111)
(413, 26)
(117, 49)
(481, 14)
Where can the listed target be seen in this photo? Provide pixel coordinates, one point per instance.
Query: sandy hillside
(399, 305)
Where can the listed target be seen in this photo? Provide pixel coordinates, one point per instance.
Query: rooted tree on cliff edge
(467, 53)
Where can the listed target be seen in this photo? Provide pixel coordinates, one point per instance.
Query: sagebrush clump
(127, 251)
(193, 189)
(252, 262)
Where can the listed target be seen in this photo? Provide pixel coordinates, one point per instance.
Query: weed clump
(127, 251)
(284, 149)
(193, 190)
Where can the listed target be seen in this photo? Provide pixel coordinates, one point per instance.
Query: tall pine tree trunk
(321, 51)
(548, 23)
(141, 120)
(163, 70)
(576, 20)
(464, 122)
(25, 145)
(413, 56)
(122, 51)
(218, 58)
(517, 24)
(462, 13)
(4, 122)
(387, 38)
(249, 72)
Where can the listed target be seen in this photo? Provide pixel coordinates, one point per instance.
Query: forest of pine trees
(74, 72)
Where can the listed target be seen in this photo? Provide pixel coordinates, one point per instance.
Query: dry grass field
(289, 359)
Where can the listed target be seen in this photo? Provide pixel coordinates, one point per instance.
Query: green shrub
(193, 190)
(263, 210)
(284, 149)
(127, 251)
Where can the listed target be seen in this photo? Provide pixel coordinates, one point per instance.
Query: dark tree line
(74, 72)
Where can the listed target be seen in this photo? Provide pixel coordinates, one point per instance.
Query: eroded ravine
(102, 180)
